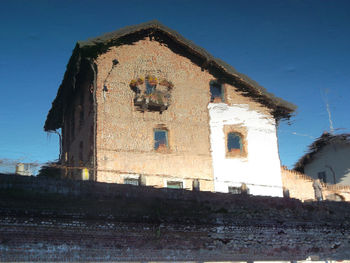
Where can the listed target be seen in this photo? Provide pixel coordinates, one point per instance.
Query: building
(24, 169)
(328, 159)
(145, 105)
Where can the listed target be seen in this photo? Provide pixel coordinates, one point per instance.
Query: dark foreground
(170, 225)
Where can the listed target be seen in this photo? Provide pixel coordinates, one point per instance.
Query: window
(132, 181)
(322, 176)
(85, 174)
(234, 143)
(243, 189)
(174, 184)
(160, 139)
(216, 92)
(195, 185)
(234, 190)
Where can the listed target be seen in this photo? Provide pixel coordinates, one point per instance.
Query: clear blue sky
(298, 50)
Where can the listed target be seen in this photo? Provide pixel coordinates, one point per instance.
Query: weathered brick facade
(125, 135)
(106, 128)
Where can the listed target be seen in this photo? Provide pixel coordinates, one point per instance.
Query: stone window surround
(242, 131)
(161, 127)
(166, 180)
(130, 176)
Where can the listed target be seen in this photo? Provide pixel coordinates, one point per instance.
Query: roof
(91, 48)
(318, 145)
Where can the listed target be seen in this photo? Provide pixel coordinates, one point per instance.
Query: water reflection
(308, 260)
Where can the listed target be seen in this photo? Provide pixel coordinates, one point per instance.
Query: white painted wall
(336, 156)
(260, 170)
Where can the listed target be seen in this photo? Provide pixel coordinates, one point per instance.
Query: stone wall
(31, 238)
(66, 220)
(298, 185)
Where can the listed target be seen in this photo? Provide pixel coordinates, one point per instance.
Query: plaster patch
(260, 168)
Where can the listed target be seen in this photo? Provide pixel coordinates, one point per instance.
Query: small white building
(328, 159)
(24, 169)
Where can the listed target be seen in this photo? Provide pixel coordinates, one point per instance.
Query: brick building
(145, 105)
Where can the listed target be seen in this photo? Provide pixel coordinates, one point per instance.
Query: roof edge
(325, 139)
(280, 108)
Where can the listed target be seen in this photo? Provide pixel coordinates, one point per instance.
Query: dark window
(160, 139)
(132, 181)
(174, 184)
(238, 190)
(81, 148)
(216, 92)
(195, 185)
(322, 176)
(234, 142)
(234, 190)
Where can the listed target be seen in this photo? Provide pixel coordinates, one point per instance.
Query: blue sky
(298, 50)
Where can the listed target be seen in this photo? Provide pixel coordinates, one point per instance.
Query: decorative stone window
(216, 92)
(174, 184)
(235, 140)
(161, 140)
(151, 94)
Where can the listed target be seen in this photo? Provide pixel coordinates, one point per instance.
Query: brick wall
(124, 136)
(298, 184)
(300, 187)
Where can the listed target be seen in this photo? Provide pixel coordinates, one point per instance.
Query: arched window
(234, 143)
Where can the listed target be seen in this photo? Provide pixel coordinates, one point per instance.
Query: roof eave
(281, 109)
